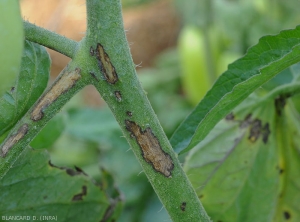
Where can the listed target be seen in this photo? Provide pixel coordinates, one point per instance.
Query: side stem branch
(50, 39)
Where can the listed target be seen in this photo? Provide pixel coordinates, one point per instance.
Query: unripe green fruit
(196, 78)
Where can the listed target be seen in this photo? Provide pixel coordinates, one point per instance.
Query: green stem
(50, 39)
(67, 84)
(115, 78)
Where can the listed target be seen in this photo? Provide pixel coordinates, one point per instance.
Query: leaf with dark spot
(34, 184)
(286, 215)
(261, 63)
(80, 195)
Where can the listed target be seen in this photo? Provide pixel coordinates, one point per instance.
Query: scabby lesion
(105, 65)
(151, 148)
(13, 139)
(61, 86)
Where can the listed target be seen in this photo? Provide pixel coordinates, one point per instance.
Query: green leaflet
(246, 168)
(50, 133)
(34, 187)
(11, 44)
(31, 82)
(262, 62)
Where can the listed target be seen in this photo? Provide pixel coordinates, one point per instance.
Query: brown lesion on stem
(151, 148)
(183, 206)
(13, 139)
(62, 85)
(105, 65)
(118, 96)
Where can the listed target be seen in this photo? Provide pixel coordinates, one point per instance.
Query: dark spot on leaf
(219, 221)
(280, 103)
(45, 197)
(105, 65)
(79, 196)
(129, 113)
(12, 89)
(246, 122)
(286, 215)
(118, 96)
(201, 196)
(51, 164)
(280, 170)
(72, 172)
(265, 133)
(183, 206)
(79, 170)
(69, 171)
(110, 210)
(255, 130)
(151, 148)
(229, 117)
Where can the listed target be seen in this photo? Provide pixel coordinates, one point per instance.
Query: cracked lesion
(13, 139)
(151, 148)
(61, 86)
(105, 65)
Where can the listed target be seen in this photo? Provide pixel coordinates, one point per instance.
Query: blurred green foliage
(227, 29)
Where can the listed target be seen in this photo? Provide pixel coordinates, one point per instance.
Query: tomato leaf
(261, 63)
(30, 84)
(11, 44)
(250, 161)
(36, 188)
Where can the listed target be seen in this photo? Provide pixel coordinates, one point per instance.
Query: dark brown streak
(13, 139)
(151, 148)
(118, 96)
(61, 86)
(105, 65)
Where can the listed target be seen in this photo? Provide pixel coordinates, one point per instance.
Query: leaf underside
(261, 63)
(239, 174)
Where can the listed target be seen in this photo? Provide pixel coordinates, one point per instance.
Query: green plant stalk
(128, 102)
(49, 39)
(126, 99)
(30, 124)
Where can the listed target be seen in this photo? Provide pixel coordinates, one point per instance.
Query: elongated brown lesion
(151, 148)
(105, 65)
(62, 85)
(13, 139)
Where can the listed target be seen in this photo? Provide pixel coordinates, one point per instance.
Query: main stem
(115, 78)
